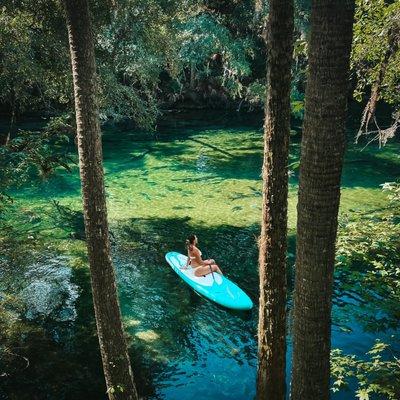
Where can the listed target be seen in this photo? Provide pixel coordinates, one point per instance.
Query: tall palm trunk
(116, 365)
(322, 151)
(272, 250)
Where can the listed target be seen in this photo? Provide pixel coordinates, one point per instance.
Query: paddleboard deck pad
(214, 286)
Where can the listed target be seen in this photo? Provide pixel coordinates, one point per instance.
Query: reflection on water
(182, 346)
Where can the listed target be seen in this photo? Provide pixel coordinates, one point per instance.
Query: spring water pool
(160, 188)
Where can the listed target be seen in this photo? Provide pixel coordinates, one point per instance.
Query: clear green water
(160, 188)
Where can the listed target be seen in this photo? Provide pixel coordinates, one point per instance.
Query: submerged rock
(148, 336)
(50, 291)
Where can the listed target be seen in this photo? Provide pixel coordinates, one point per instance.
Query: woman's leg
(215, 268)
(207, 269)
(202, 271)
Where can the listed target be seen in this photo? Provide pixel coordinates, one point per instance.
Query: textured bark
(116, 365)
(322, 151)
(272, 250)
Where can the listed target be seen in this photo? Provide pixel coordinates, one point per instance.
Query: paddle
(212, 273)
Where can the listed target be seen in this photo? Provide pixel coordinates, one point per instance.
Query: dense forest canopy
(149, 54)
(154, 55)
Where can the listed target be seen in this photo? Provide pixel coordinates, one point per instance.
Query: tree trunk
(192, 75)
(272, 250)
(322, 151)
(116, 365)
(6, 136)
(369, 110)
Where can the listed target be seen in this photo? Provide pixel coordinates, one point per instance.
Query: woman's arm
(188, 260)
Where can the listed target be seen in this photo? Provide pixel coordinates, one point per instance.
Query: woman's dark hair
(190, 241)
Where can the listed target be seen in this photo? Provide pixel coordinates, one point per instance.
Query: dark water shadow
(368, 169)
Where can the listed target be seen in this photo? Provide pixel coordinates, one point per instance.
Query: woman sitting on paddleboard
(201, 267)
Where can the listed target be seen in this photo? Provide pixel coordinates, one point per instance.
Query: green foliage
(12, 330)
(300, 56)
(134, 47)
(368, 273)
(393, 189)
(151, 51)
(146, 52)
(297, 102)
(202, 38)
(377, 376)
(120, 101)
(34, 154)
(255, 93)
(33, 57)
(374, 22)
(368, 269)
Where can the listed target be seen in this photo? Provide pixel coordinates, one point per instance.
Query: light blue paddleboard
(218, 288)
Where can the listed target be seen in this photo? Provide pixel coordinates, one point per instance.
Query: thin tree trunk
(5, 137)
(369, 110)
(322, 152)
(272, 250)
(192, 75)
(116, 365)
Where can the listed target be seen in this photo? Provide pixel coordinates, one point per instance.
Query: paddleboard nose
(243, 302)
(247, 303)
